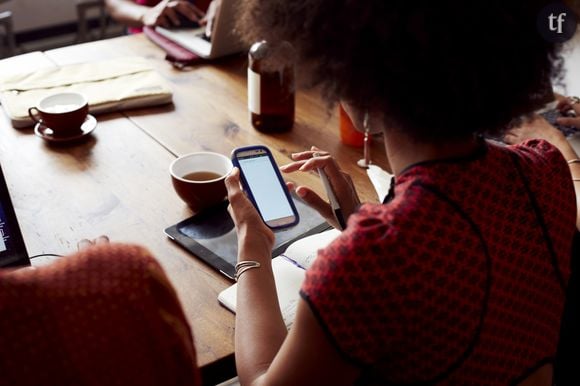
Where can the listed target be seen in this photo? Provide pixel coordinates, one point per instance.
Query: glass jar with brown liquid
(271, 87)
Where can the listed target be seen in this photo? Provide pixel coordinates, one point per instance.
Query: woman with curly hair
(459, 277)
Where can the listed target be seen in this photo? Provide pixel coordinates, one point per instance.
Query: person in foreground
(106, 315)
(459, 277)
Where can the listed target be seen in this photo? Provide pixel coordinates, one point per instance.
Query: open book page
(288, 275)
(288, 278)
(305, 250)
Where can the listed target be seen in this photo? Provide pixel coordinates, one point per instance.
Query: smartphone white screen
(268, 194)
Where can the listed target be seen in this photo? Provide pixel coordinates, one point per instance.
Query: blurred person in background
(137, 14)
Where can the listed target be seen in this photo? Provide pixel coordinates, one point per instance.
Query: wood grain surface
(117, 183)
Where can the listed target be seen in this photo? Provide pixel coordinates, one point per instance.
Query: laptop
(12, 249)
(223, 41)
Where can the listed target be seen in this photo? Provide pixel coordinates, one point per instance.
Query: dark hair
(436, 69)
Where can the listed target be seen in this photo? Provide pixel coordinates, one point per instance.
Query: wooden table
(117, 183)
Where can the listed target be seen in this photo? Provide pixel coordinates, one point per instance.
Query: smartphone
(263, 183)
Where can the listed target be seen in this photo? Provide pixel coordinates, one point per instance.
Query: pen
(294, 262)
(332, 198)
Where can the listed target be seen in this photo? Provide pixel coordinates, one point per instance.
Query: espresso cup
(199, 178)
(63, 113)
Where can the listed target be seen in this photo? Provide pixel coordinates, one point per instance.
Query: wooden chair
(83, 8)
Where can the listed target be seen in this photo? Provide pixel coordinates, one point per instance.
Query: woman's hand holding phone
(341, 184)
(265, 187)
(255, 239)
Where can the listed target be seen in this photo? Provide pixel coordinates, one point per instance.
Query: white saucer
(47, 133)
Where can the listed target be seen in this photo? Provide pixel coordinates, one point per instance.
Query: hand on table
(85, 243)
(255, 239)
(565, 106)
(166, 13)
(340, 182)
(539, 128)
(536, 128)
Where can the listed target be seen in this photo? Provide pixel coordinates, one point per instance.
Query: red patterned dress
(460, 278)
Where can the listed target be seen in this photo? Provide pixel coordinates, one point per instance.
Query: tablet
(211, 236)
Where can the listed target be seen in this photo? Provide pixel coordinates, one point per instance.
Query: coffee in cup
(198, 178)
(63, 113)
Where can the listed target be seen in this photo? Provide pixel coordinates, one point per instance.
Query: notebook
(289, 271)
(175, 54)
(12, 249)
(223, 40)
(109, 85)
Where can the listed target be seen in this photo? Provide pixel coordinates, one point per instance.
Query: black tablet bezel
(17, 255)
(217, 262)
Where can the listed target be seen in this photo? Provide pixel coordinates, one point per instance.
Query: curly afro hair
(436, 69)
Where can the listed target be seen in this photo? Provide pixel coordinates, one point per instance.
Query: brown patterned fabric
(453, 282)
(105, 316)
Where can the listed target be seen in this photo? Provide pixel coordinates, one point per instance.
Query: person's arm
(539, 128)
(566, 105)
(265, 352)
(127, 12)
(163, 14)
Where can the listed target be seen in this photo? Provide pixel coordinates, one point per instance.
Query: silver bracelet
(574, 161)
(244, 266)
